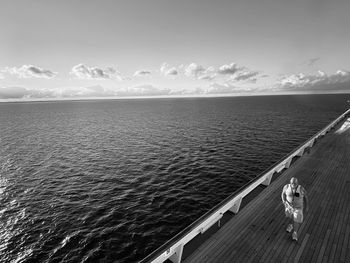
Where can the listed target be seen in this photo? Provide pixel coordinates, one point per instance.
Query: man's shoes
(295, 236)
(289, 228)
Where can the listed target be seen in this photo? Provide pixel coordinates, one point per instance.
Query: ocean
(112, 180)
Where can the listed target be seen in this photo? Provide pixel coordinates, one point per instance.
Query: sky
(110, 49)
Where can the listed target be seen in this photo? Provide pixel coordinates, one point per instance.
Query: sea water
(112, 180)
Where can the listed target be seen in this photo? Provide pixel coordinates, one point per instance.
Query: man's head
(294, 182)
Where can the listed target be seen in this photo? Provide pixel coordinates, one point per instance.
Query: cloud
(229, 69)
(238, 73)
(30, 71)
(144, 90)
(86, 92)
(216, 88)
(172, 71)
(339, 81)
(227, 88)
(196, 91)
(196, 71)
(141, 73)
(229, 72)
(84, 72)
(18, 93)
(246, 75)
(56, 93)
(13, 92)
(166, 70)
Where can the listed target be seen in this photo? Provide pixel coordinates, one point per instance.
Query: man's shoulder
(302, 190)
(285, 187)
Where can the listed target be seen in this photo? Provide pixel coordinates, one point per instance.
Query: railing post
(236, 205)
(176, 257)
(312, 142)
(279, 168)
(268, 178)
(211, 223)
(287, 165)
(301, 152)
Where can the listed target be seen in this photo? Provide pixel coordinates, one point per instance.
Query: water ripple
(110, 181)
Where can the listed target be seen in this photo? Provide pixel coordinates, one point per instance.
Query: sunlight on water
(3, 184)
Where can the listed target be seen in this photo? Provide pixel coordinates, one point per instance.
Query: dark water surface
(110, 181)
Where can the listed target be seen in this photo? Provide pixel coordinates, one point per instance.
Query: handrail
(173, 248)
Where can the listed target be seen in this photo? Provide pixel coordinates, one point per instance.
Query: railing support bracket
(267, 181)
(176, 257)
(236, 205)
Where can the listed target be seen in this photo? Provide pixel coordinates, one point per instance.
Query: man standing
(295, 200)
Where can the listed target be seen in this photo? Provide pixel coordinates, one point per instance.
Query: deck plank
(257, 232)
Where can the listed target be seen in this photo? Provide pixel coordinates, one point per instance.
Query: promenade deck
(257, 233)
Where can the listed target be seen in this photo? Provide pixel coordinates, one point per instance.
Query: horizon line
(23, 100)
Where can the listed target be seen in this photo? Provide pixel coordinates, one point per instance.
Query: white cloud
(84, 72)
(338, 81)
(321, 73)
(229, 72)
(238, 73)
(97, 91)
(216, 88)
(19, 93)
(212, 89)
(13, 92)
(166, 70)
(229, 69)
(56, 93)
(92, 91)
(220, 89)
(30, 71)
(141, 73)
(24, 93)
(172, 71)
(182, 92)
(72, 92)
(144, 90)
(229, 88)
(246, 74)
(196, 71)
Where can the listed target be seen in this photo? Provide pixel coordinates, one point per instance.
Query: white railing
(173, 248)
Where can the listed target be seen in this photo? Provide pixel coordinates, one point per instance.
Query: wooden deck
(257, 233)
